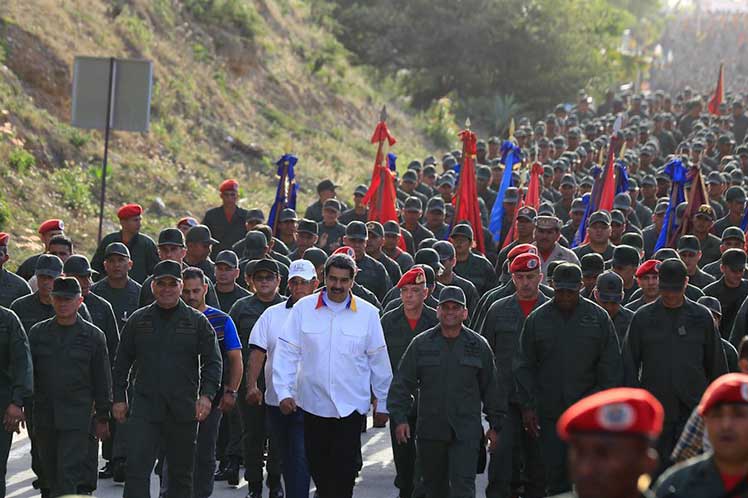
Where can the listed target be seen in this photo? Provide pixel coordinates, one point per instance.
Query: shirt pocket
(353, 342)
(185, 340)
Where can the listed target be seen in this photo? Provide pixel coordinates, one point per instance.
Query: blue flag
(392, 162)
(511, 154)
(286, 187)
(591, 201)
(677, 172)
(622, 177)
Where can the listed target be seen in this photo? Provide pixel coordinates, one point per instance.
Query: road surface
(375, 480)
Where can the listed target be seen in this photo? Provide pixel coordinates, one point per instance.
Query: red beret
(730, 388)
(347, 250)
(623, 410)
(415, 275)
(129, 210)
(50, 225)
(187, 220)
(521, 249)
(649, 266)
(525, 262)
(4, 238)
(229, 184)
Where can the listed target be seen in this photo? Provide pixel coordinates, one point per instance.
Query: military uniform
(227, 299)
(485, 302)
(393, 269)
(552, 374)
(398, 334)
(559, 253)
(330, 237)
(479, 271)
(419, 233)
(26, 269)
(697, 477)
(403, 259)
(677, 352)
(587, 249)
(700, 279)
(452, 378)
(143, 253)
(16, 377)
(502, 327)
(11, 287)
(72, 374)
(177, 356)
(372, 275)
(249, 439)
(124, 301)
(731, 300)
(709, 250)
(650, 236)
(471, 293)
(621, 322)
(226, 231)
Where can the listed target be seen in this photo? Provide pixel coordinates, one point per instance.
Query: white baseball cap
(303, 269)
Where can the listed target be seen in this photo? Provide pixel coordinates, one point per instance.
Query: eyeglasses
(266, 278)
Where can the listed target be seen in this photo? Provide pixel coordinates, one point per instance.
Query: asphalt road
(375, 480)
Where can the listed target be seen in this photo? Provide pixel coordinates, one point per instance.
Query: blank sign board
(131, 93)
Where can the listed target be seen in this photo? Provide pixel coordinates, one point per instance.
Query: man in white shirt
(286, 430)
(330, 357)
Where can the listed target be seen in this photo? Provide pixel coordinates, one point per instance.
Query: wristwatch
(229, 391)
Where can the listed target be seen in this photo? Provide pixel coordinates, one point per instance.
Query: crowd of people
(552, 362)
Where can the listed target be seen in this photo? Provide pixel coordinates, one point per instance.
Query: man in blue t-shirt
(193, 294)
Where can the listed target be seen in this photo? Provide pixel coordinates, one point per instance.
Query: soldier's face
(167, 291)
(701, 224)
(265, 283)
(527, 283)
(198, 251)
(732, 277)
(411, 217)
(616, 231)
(225, 274)
(435, 218)
(61, 251)
(287, 228)
(566, 300)
(44, 284)
(390, 241)
(727, 425)
(117, 266)
(649, 285)
(546, 239)
(599, 233)
(525, 228)
(608, 465)
(648, 191)
(85, 283)
(413, 296)
(691, 259)
(171, 252)
(358, 246)
(610, 306)
(330, 216)
(374, 244)
(229, 197)
(462, 245)
(451, 314)
(66, 307)
(131, 225)
(731, 244)
(305, 240)
(193, 292)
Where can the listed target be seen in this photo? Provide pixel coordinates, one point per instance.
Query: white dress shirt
(265, 335)
(334, 355)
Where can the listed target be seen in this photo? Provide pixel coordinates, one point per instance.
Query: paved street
(375, 481)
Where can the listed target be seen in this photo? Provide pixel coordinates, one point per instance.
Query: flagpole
(380, 159)
(282, 192)
(462, 170)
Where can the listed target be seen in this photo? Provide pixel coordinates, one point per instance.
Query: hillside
(237, 83)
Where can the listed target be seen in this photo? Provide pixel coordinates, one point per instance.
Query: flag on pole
(285, 194)
(697, 197)
(719, 92)
(677, 173)
(511, 155)
(466, 199)
(530, 198)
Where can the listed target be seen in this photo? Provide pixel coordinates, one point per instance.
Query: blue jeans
(288, 433)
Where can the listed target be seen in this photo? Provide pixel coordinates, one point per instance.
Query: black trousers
(332, 445)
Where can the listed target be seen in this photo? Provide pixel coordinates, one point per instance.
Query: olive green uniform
(178, 360)
(621, 322)
(700, 278)
(393, 269)
(372, 275)
(72, 374)
(248, 440)
(330, 237)
(143, 253)
(478, 270)
(731, 300)
(452, 378)
(124, 301)
(697, 477)
(398, 335)
(226, 232)
(227, 299)
(563, 358)
(11, 287)
(502, 328)
(471, 293)
(16, 379)
(710, 250)
(487, 300)
(677, 353)
(419, 233)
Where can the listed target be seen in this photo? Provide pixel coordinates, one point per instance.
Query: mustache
(336, 289)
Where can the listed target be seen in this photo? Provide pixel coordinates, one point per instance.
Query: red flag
(465, 201)
(530, 198)
(382, 196)
(719, 92)
(697, 197)
(608, 194)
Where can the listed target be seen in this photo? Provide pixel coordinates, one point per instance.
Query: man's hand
(254, 396)
(380, 419)
(202, 408)
(102, 430)
(119, 410)
(14, 418)
(492, 438)
(228, 401)
(530, 422)
(402, 433)
(287, 406)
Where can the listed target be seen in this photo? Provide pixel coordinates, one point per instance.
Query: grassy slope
(264, 72)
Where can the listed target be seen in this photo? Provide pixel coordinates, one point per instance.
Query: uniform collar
(321, 302)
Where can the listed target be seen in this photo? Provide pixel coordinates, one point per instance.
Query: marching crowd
(611, 365)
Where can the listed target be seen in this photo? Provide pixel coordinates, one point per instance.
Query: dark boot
(229, 473)
(118, 471)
